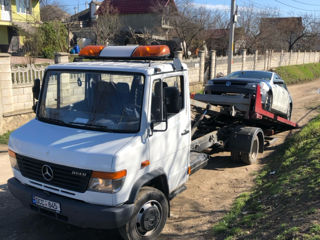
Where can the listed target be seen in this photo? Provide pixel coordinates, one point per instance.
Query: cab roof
(147, 68)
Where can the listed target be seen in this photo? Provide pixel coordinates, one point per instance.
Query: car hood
(68, 146)
(239, 80)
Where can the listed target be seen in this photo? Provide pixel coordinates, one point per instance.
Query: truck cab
(110, 144)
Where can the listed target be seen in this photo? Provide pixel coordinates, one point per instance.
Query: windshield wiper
(90, 125)
(52, 120)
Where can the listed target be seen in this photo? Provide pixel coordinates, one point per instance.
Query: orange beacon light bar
(91, 51)
(151, 51)
(126, 52)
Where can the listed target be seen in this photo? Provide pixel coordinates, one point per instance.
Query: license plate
(54, 206)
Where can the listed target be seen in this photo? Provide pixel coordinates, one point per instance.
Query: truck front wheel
(149, 215)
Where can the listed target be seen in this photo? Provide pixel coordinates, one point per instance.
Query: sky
(286, 7)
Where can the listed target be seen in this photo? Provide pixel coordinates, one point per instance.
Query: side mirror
(172, 101)
(36, 89)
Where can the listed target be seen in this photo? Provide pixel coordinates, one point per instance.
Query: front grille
(62, 175)
(231, 82)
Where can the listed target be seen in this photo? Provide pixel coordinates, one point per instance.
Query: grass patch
(4, 139)
(284, 204)
(299, 73)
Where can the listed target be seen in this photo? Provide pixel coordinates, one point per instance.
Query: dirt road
(210, 193)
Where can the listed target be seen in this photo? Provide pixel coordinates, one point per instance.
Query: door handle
(185, 132)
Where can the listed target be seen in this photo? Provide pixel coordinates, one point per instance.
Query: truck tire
(252, 156)
(149, 216)
(235, 156)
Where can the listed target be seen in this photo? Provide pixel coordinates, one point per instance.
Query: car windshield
(251, 74)
(93, 100)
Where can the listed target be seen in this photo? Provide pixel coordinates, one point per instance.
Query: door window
(157, 106)
(176, 81)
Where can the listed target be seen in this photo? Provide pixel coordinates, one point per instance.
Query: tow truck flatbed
(235, 124)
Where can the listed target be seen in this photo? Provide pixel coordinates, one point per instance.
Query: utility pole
(233, 20)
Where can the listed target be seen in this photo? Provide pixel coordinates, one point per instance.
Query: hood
(68, 146)
(239, 80)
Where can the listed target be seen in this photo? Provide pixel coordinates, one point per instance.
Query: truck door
(170, 147)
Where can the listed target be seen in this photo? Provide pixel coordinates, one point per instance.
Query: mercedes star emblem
(228, 83)
(47, 173)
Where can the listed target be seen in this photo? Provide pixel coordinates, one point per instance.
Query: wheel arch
(156, 179)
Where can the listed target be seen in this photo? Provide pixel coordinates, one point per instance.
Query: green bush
(50, 37)
(4, 139)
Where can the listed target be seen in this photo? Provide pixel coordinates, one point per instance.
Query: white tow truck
(113, 141)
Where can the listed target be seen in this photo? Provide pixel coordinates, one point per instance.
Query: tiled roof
(134, 6)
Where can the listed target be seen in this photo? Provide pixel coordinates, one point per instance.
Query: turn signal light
(145, 163)
(109, 175)
(151, 51)
(11, 153)
(91, 50)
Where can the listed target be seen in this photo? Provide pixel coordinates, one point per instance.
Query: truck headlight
(108, 182)
(13, 159)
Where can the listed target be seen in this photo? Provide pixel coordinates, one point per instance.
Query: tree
(51, 12)
(250, 21)
(189, 24)
(107, 25)
(48, 39)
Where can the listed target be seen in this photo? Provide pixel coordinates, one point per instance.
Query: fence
(16, 99)
(16, 82)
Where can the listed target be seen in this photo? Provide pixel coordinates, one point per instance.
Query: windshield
(251, 74)
(93, 100)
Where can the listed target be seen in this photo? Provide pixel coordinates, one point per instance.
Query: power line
(306, 3)
(301, 9)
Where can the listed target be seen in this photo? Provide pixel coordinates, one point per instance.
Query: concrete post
(244, 57)
(202, 63)
(281, 58)
(270, 59)
(212, 64)
(61, 57)
(290, 57)
(6, 95)
(304, 57)
(255, 60)
(298, 55)
(266, 55)
(178, 54)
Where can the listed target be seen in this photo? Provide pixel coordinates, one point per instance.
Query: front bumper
(74, 212)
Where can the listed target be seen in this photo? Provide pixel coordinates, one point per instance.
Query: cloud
(213, 7)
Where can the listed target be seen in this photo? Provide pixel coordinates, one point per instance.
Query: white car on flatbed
(274, 93)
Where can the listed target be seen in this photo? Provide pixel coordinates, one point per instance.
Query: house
(80, 24)
(14, 15)
(281, 33)
(143, 16)
(218, 39)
